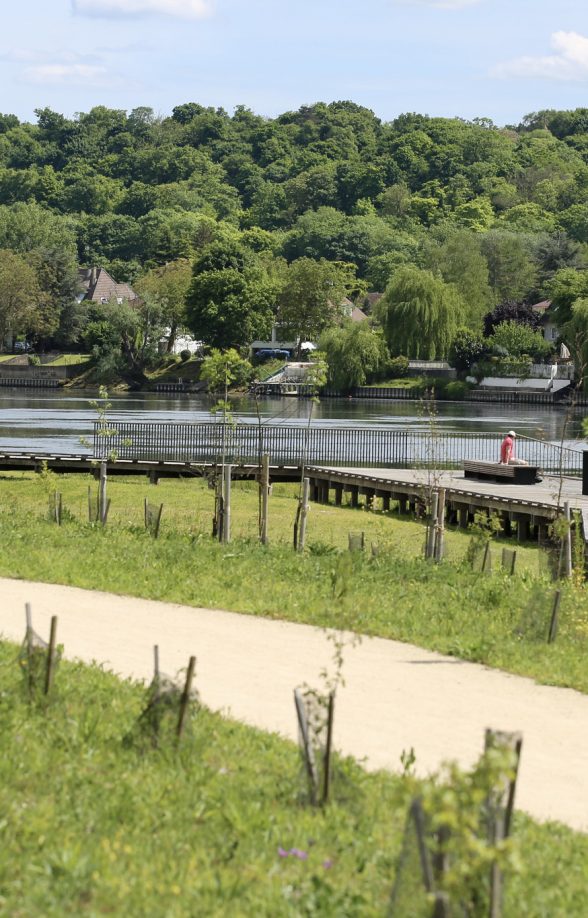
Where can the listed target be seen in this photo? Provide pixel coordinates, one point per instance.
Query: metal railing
(369, 447)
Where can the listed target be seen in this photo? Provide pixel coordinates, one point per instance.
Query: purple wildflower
(282, 852)
(301, 855)
(328, 863)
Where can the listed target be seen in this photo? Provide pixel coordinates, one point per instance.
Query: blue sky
(488, 58)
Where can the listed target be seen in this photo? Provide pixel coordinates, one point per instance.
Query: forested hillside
(494, 212)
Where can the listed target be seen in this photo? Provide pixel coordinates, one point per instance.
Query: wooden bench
(495, 471)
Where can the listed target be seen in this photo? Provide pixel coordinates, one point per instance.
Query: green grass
(407, 382)
(67, 360)
(496, 619)
(92, 825)
(172, 370)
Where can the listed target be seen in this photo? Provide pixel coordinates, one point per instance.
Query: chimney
(93, 277)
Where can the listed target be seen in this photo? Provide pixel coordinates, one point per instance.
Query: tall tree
(354, 352)
(232, 297)
(168, 285)
(512, 272)
(20, 296)
(420, 314)
(458, 259)
(311, 296)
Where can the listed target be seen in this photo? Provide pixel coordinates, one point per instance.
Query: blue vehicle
(272, 353)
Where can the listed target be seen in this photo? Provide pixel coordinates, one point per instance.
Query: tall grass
(498, 620)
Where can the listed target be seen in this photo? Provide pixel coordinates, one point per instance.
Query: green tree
(518, 339)
(420, 314)
(168, 285)
(123, 338)
(566, 286)
(511, 270)
(466, 349)
(355, 354)
(458, 259)
(310, 298)
(232, 297)
(20, 296)
(223, 370)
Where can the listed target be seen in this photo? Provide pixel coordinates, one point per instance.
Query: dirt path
(397, 696)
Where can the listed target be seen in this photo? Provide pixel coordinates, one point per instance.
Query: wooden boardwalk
(531, 507)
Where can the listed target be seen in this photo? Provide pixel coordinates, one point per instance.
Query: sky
(498, 59)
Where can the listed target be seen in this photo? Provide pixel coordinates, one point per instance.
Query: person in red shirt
(507, 449)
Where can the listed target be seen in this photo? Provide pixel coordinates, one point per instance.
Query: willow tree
(420, 314)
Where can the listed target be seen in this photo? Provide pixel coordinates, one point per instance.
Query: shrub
(466, 348)
(455, 390)
(397, 367)
(185, 355)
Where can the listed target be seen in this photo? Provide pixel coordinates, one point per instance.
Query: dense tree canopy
(499, 213)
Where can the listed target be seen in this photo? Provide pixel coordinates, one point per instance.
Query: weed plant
(446, 607)
(93, 825)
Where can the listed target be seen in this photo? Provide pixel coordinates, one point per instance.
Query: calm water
(55, 422)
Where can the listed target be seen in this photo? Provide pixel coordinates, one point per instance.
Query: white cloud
(180, 9)
(68, 73)
(570, 62)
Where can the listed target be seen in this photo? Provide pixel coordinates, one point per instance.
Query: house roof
(371, 299)
(98, 285)
(541, 307)
(358, 315)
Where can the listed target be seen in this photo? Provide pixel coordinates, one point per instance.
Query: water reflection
(54, 421)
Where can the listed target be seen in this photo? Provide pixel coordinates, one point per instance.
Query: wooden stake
(306, 744)
(430, 545)
(51, 655)
(440, 527)
(226, 528)
(102, 502)
(509, 568)
(553, 624)
(303, 514)
(328, 746)
(264, 486)
(185, 697)
(568, 543)
(156, 661)
(487, 561)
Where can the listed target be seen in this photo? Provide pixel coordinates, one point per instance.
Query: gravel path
(396, 696)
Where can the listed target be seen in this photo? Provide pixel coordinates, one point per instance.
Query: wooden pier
(532, 508)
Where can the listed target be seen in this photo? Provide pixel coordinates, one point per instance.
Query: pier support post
(523, 529)
(338, 495)
(402, 503)
(354, 496)
(463, 517)
(385, 502)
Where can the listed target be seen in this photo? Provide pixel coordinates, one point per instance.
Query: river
(54, 421)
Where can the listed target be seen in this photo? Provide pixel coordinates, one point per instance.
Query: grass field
(67, 360)
(498, 620)
(92, 824)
